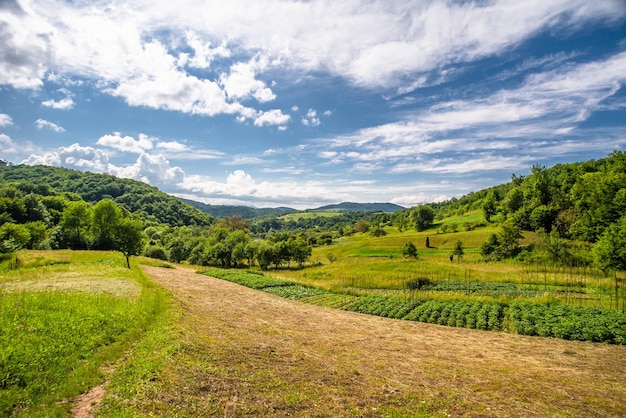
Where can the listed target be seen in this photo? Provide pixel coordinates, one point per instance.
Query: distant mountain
(246, 212)
(359, 207)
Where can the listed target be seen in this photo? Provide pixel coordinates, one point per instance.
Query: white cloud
(8, 146)
(127, 143)
(241, 83)
(240, 187)
(63, 104)
(271, 117)
(74, 156)
(5, 120)
(151, 169)
(172, 146)
(414, 37)
(203, 53)
(42, 123)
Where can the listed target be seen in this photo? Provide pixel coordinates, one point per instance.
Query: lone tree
(458, 250)
(128, 238)
(409, 250)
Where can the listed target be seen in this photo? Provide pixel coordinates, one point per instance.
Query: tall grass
(52, 343)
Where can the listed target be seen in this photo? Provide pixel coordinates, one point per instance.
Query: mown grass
(54, 339)
(482, 312)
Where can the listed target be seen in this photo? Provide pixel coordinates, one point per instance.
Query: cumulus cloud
(8, 146)
(240, 187)
(241, 83)
(74, 156)
(151, 169)
(271, 117)
(5, 120)
(63, 104)
(419, 37)
(127, 143)
(42, 123)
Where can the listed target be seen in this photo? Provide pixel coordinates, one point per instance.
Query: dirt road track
(248, 353)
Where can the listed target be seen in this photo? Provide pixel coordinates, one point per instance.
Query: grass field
(207, 347)
(361, 261)
(295, 216)
(64, 315)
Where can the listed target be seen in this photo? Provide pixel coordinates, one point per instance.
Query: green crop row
(387, 306)
(459, 313)
(567, 322)
(246, 278)
(546, 320)
(294, 291)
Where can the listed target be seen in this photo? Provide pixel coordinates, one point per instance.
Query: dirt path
(248, 353)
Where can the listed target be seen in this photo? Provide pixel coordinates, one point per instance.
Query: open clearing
(248, 353)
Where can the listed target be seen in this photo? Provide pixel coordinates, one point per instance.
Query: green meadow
(64, 315)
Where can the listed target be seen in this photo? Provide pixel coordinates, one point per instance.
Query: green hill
(149, 203)
(359, 207)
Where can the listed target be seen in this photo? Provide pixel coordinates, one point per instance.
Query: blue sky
(304, 103)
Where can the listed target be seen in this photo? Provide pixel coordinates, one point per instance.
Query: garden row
(546, 320)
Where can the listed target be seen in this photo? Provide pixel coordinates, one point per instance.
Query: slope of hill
(246, 212)
(359, 207)
(149, 202)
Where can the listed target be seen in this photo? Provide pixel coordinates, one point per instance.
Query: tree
(409, 250)
(510, 236)
(300, 250)
(13, 237)
(610, 250)
(361, 226)
(128, 238)
(76, 222)
(490, 248)
(422, 217)
(458, 250)
(106, 216)
(378, 231)
(489, 205)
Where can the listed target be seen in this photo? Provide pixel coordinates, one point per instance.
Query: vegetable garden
(488, 306)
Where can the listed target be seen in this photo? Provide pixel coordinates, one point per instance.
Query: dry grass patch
(245, 353)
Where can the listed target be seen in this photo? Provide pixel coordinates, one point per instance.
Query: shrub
(156, 252)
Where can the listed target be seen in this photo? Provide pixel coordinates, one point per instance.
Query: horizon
(405, 103)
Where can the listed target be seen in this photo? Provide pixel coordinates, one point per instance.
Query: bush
(156, 252)
(417, 283)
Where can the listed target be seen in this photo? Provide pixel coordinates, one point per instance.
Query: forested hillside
(62, 184)
(571, 206)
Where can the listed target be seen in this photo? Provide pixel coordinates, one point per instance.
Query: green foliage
(409, 250)
(610, 251)
(104, 221)
(458, 249)
(13, 237)
(246, 278)
(422, 217)
(567, 322)
(54, 186)
(489, 205)
(128, 237)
